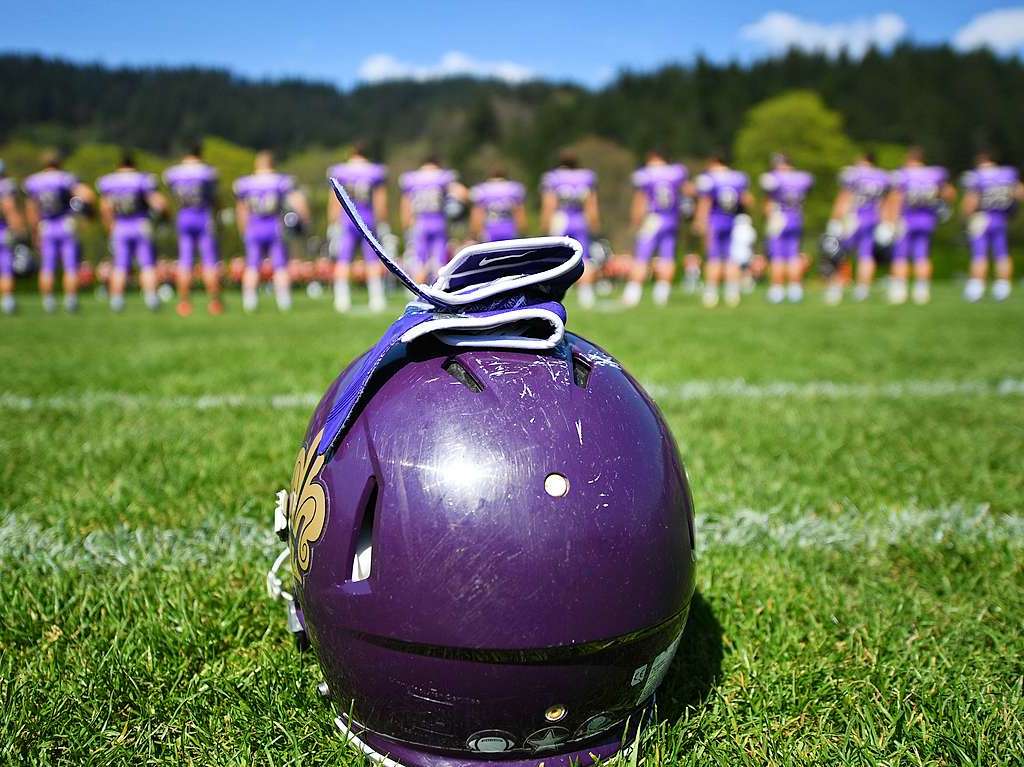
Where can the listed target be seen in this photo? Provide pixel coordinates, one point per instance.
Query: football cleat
(464, 522)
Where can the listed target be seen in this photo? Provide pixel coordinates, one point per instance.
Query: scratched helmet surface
(494, 563)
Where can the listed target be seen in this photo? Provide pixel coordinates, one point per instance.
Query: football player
(658, 192)
(127, 199)
(194, 186)
(364, 182)
(723, 194)
(992, 193)
(55, 199)
(498, 208)
(261, 201)
(786, 189)
(918, 194)
(569, 208)
(855, 217)
(424, 195)
(10, 223)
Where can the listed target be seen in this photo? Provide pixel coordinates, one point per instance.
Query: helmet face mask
(494, 561)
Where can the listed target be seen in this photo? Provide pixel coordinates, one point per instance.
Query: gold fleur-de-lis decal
(307, 507)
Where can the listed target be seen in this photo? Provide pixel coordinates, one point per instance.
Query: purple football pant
(718, 241)
(500, 230)
(6, 256)
(196, 237)
(263, 237)
(785, 246)
(430, 244)
(57, 240)
(348, 238)
(862, 242)
(914, 244)
(132, 240)
(993, 240)
(660, 238)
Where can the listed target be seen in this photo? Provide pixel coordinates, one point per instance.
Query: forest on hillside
(819, 109)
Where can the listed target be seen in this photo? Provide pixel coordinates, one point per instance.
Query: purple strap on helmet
(504, 294)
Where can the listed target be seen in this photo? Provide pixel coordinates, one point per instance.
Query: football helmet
(490, 530)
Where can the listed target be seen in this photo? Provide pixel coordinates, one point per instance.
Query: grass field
(858, 475)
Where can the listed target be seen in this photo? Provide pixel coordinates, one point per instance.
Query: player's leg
(437, 252)
(646, 242)
(585, 289)
(145, 256)
(345, 245)
(1003, 263)
(665, 267)
(900, 269)
(187, 246)
(420, 253)
(49, 252)
(921, 252)
(978, 241)
(71, 257)
(7, 302)
(207, 245)
(374, 279)
(865, 253)
(251, 275)
(777, 268)
(717, 245)
(119, 274)
(794, 265)
(282, 276)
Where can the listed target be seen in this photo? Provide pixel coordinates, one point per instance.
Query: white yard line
(240, 539)
(682, 391)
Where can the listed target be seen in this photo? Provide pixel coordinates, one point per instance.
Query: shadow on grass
(697, 665)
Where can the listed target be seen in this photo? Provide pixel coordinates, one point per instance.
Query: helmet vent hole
(362, 557)
(556, 485)
(458, 371)
(581, 370)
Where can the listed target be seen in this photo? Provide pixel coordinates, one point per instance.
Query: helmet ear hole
(581, 370)
(362, 557)
(458, 371)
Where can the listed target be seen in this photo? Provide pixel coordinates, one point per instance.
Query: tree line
(948, 101)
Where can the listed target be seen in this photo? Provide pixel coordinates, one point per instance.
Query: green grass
(861, 586)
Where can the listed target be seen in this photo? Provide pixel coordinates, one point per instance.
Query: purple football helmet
(493, 560)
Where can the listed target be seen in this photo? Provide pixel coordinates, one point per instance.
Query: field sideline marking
(683, 391)
(241, 539)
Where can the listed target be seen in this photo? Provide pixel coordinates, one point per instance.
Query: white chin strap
(354, 740)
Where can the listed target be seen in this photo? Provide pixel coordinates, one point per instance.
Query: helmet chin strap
(505, 294)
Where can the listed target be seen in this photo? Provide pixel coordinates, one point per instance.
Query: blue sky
(586, 42)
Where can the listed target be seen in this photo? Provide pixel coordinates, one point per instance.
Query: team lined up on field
(875, 208)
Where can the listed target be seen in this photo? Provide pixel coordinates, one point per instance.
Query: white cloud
(779, 31)
(1001, 30)
(384, 66)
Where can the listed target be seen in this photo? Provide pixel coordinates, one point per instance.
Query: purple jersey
(51, 190)
(922, 194)
(359, 178)
(128, 192)
(996, 188)
(868, 186)
(787, 188)
(662, 186)
(725, 188)
(499, 199)
(570, 186)
(194, 186)
(264, 194)
(427, 189)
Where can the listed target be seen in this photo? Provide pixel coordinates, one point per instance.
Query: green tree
(799, 124)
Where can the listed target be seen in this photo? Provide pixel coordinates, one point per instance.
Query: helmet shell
(531, 558)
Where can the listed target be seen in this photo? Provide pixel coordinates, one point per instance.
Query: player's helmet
(493, 560)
